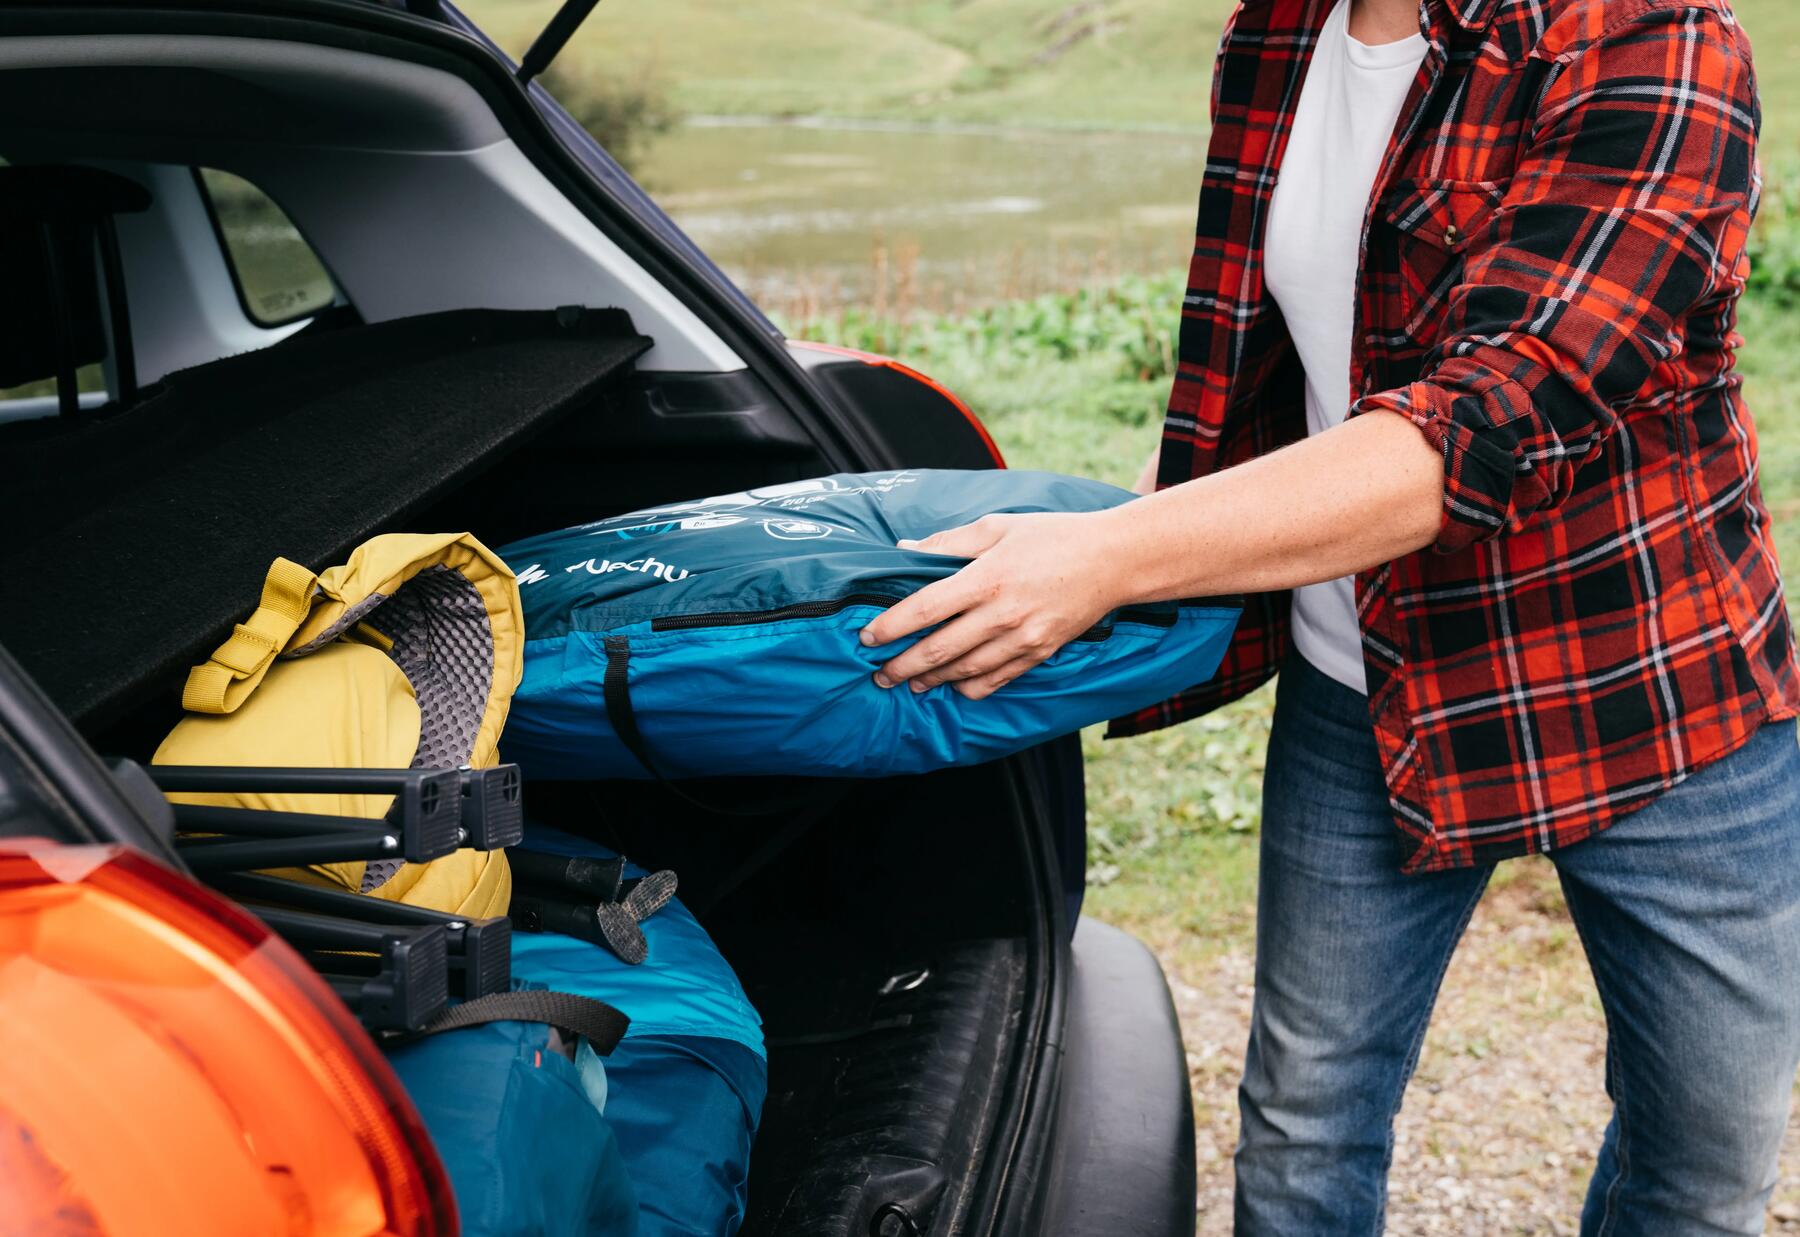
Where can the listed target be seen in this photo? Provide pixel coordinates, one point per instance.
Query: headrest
(51, 219)
(64, 193)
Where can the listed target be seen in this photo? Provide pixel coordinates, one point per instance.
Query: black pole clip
(435, 812)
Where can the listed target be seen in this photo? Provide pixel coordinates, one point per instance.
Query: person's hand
(1037, 581)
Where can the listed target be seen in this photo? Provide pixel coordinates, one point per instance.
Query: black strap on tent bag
(616, 688)
(602, 1025)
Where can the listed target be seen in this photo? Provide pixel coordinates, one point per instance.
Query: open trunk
(891, 936)
(904, 940)
(896, 936)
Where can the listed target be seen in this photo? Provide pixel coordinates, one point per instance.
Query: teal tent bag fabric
(720, 636)
(685, 1087)
(527, 1151)
(684, 1109)
(683, 987)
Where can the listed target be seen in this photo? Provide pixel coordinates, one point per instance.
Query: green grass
(1071, 382)
(1089, 63)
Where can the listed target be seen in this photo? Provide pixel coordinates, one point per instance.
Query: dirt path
(1499, 1128)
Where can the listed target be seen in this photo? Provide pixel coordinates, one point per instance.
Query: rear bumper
(1123, 1159)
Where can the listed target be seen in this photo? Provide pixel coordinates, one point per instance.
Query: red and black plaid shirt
(1551, 265)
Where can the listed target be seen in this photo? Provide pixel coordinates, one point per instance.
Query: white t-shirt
(1348, 110)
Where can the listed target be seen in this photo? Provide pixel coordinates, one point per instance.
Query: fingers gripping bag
(720, 636)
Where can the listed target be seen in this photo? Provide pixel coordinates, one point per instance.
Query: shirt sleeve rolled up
(1627, 212)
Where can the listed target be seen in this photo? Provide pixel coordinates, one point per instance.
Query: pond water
(809, 217)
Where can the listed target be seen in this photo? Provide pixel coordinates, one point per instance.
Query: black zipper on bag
(742, 618)
(824, 609)
(1148, 618)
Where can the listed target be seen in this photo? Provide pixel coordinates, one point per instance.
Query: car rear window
(279, 277)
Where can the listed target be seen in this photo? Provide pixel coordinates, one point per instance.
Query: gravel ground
(1499, 1128)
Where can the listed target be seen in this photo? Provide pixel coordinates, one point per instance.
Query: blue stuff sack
(685, 1087)
(719, 636)
(527, 1150)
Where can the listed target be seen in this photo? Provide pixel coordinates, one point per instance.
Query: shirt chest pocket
(1433, 223)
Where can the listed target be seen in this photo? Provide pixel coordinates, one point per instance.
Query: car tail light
(167, 1066)
(887, 362)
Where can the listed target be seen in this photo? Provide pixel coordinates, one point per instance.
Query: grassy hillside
(1100, 63)
(1109, 63)
(770, 57)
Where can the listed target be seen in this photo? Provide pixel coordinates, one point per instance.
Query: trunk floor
(880, 1084)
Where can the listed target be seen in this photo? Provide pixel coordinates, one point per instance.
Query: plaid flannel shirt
(1551, 264)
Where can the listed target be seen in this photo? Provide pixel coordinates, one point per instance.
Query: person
(1456, 410)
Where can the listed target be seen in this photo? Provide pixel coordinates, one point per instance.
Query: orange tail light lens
(167, 1066)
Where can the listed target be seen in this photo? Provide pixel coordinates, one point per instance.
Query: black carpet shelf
(136, 540)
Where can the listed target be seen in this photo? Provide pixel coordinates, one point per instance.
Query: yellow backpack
(406, 656)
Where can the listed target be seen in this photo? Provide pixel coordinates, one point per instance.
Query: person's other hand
(1037, 581)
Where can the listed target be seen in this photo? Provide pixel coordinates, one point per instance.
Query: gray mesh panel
(444, 645)
(351, 616)
(378, 872)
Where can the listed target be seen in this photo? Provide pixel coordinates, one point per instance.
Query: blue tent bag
(685, 1087)
(527, 1150)
(720, 636)
(652, 1140)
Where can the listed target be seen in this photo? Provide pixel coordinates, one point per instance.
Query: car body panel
(1123, 1160)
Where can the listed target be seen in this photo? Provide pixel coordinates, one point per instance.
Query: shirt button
(1450, 235)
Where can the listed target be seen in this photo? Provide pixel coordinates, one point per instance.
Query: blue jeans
(1689, 910)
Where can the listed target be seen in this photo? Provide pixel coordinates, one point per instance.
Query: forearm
(1361, 494)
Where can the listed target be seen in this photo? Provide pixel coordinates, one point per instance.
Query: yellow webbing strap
(238, 665)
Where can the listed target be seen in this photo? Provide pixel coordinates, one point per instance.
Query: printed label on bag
(601, 566)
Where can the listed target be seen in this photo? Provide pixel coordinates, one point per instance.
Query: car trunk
(890, 935)
(897, 936)
(900, 938)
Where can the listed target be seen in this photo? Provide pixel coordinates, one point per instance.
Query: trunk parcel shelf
(141, 532)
